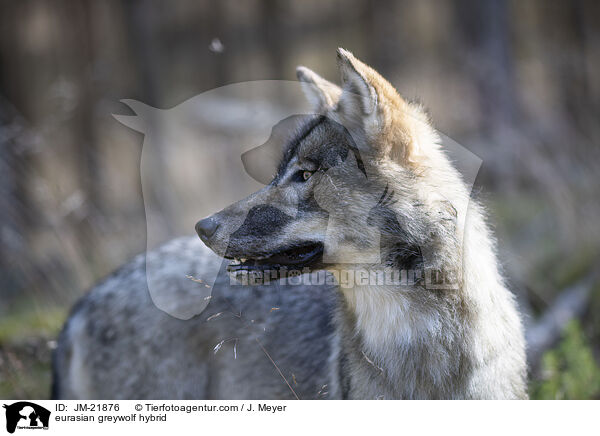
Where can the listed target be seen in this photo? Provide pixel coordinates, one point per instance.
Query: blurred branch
(570, 304)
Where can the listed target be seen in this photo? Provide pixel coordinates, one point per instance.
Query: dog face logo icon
(26, 415)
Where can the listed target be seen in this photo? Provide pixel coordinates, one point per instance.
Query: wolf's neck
(397, 337)
(416, 335)
(388, 316)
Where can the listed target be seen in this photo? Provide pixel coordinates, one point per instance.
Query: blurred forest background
(516, 82)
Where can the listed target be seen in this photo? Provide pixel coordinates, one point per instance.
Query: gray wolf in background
(375, 157)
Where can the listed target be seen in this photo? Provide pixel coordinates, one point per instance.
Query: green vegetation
(26, 340)
(23, 324)
(569, 371)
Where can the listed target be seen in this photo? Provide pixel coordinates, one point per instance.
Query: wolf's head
(353, 183)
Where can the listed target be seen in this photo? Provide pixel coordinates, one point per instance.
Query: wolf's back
(117, 344)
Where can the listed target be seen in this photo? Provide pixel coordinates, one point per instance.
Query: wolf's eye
(302, 176)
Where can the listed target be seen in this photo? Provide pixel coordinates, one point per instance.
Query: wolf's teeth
(243, 260)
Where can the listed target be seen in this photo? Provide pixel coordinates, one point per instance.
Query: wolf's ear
(370, 105)
(321, 93)
(359, 98)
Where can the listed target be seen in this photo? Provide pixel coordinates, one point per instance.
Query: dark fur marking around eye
(293, 145)
(339, 142)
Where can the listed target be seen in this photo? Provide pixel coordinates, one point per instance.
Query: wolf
(362, 188)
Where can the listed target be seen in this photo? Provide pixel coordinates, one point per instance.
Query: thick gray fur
(118, 345)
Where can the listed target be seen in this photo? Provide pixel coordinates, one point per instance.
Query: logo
(26, 415)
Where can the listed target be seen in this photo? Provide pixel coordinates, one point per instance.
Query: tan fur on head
(392, 127)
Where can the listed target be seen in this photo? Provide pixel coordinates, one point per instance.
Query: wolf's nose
(206, 228)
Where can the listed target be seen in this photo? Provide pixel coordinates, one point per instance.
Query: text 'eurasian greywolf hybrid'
(363, 188)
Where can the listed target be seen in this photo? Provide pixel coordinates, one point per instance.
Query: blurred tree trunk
(78, 25)
(217, 28)
(142, 21)
(273, 31)
(381, 30)
(485, 30)
(576, 92)
(17, 213)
